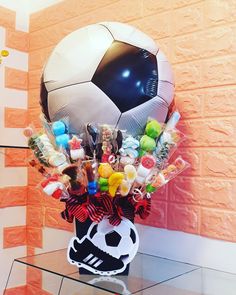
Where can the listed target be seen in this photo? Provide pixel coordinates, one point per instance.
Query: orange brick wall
(199, 39)
(13, 184)
(18, 227)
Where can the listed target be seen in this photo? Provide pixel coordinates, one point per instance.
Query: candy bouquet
(103, 172)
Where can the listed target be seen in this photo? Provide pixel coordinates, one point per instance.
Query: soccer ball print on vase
(105, 249)
(106, 141)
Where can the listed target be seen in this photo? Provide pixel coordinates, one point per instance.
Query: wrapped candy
(76, 150)
(148, 141)
(167, 174)
(147, 163)
(114, 181)
(55, 186)
(77, 186)
(90, 168)
(105, 171)
(103, 184)
(153, 129)
(44, 150)
(107, 138)
(126, 184)
(166, 146)
(57, 131)
(54, 158)
(60, 133)
(130, 173)
(92, 135)
(124, 188)
(168, 141)
(128, 151)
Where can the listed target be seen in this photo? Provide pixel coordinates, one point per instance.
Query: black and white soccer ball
(108, 73)
(121, 241)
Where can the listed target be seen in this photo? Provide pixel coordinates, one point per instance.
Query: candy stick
(55, 186)
(126, 184)
(147, 163)
(128, 151)
(44, 150)
(107, 138)
(125, 187)
(165, 175)
(59, 130)
(91, 175)
(168, 140)
(76, 150)
(93, 133)
(130, 173)
(72, 171)
(114, 181)
(105, 171)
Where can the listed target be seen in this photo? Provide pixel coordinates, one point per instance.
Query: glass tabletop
(202, 281)
(146, 271)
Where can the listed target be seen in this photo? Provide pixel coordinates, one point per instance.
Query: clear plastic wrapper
(165, 175)
(153, 130)
(77, 151)
(56, 186)
(166, 146)
(91, 138)
(107, 139)
(90, 167)
(44, 150)
(129, 150)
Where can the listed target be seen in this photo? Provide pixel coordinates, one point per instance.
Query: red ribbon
(100, 205)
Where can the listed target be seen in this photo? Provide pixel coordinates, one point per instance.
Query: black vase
(81, 231)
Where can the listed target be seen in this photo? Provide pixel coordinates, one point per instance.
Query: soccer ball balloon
(121, 241)
(108, 73)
